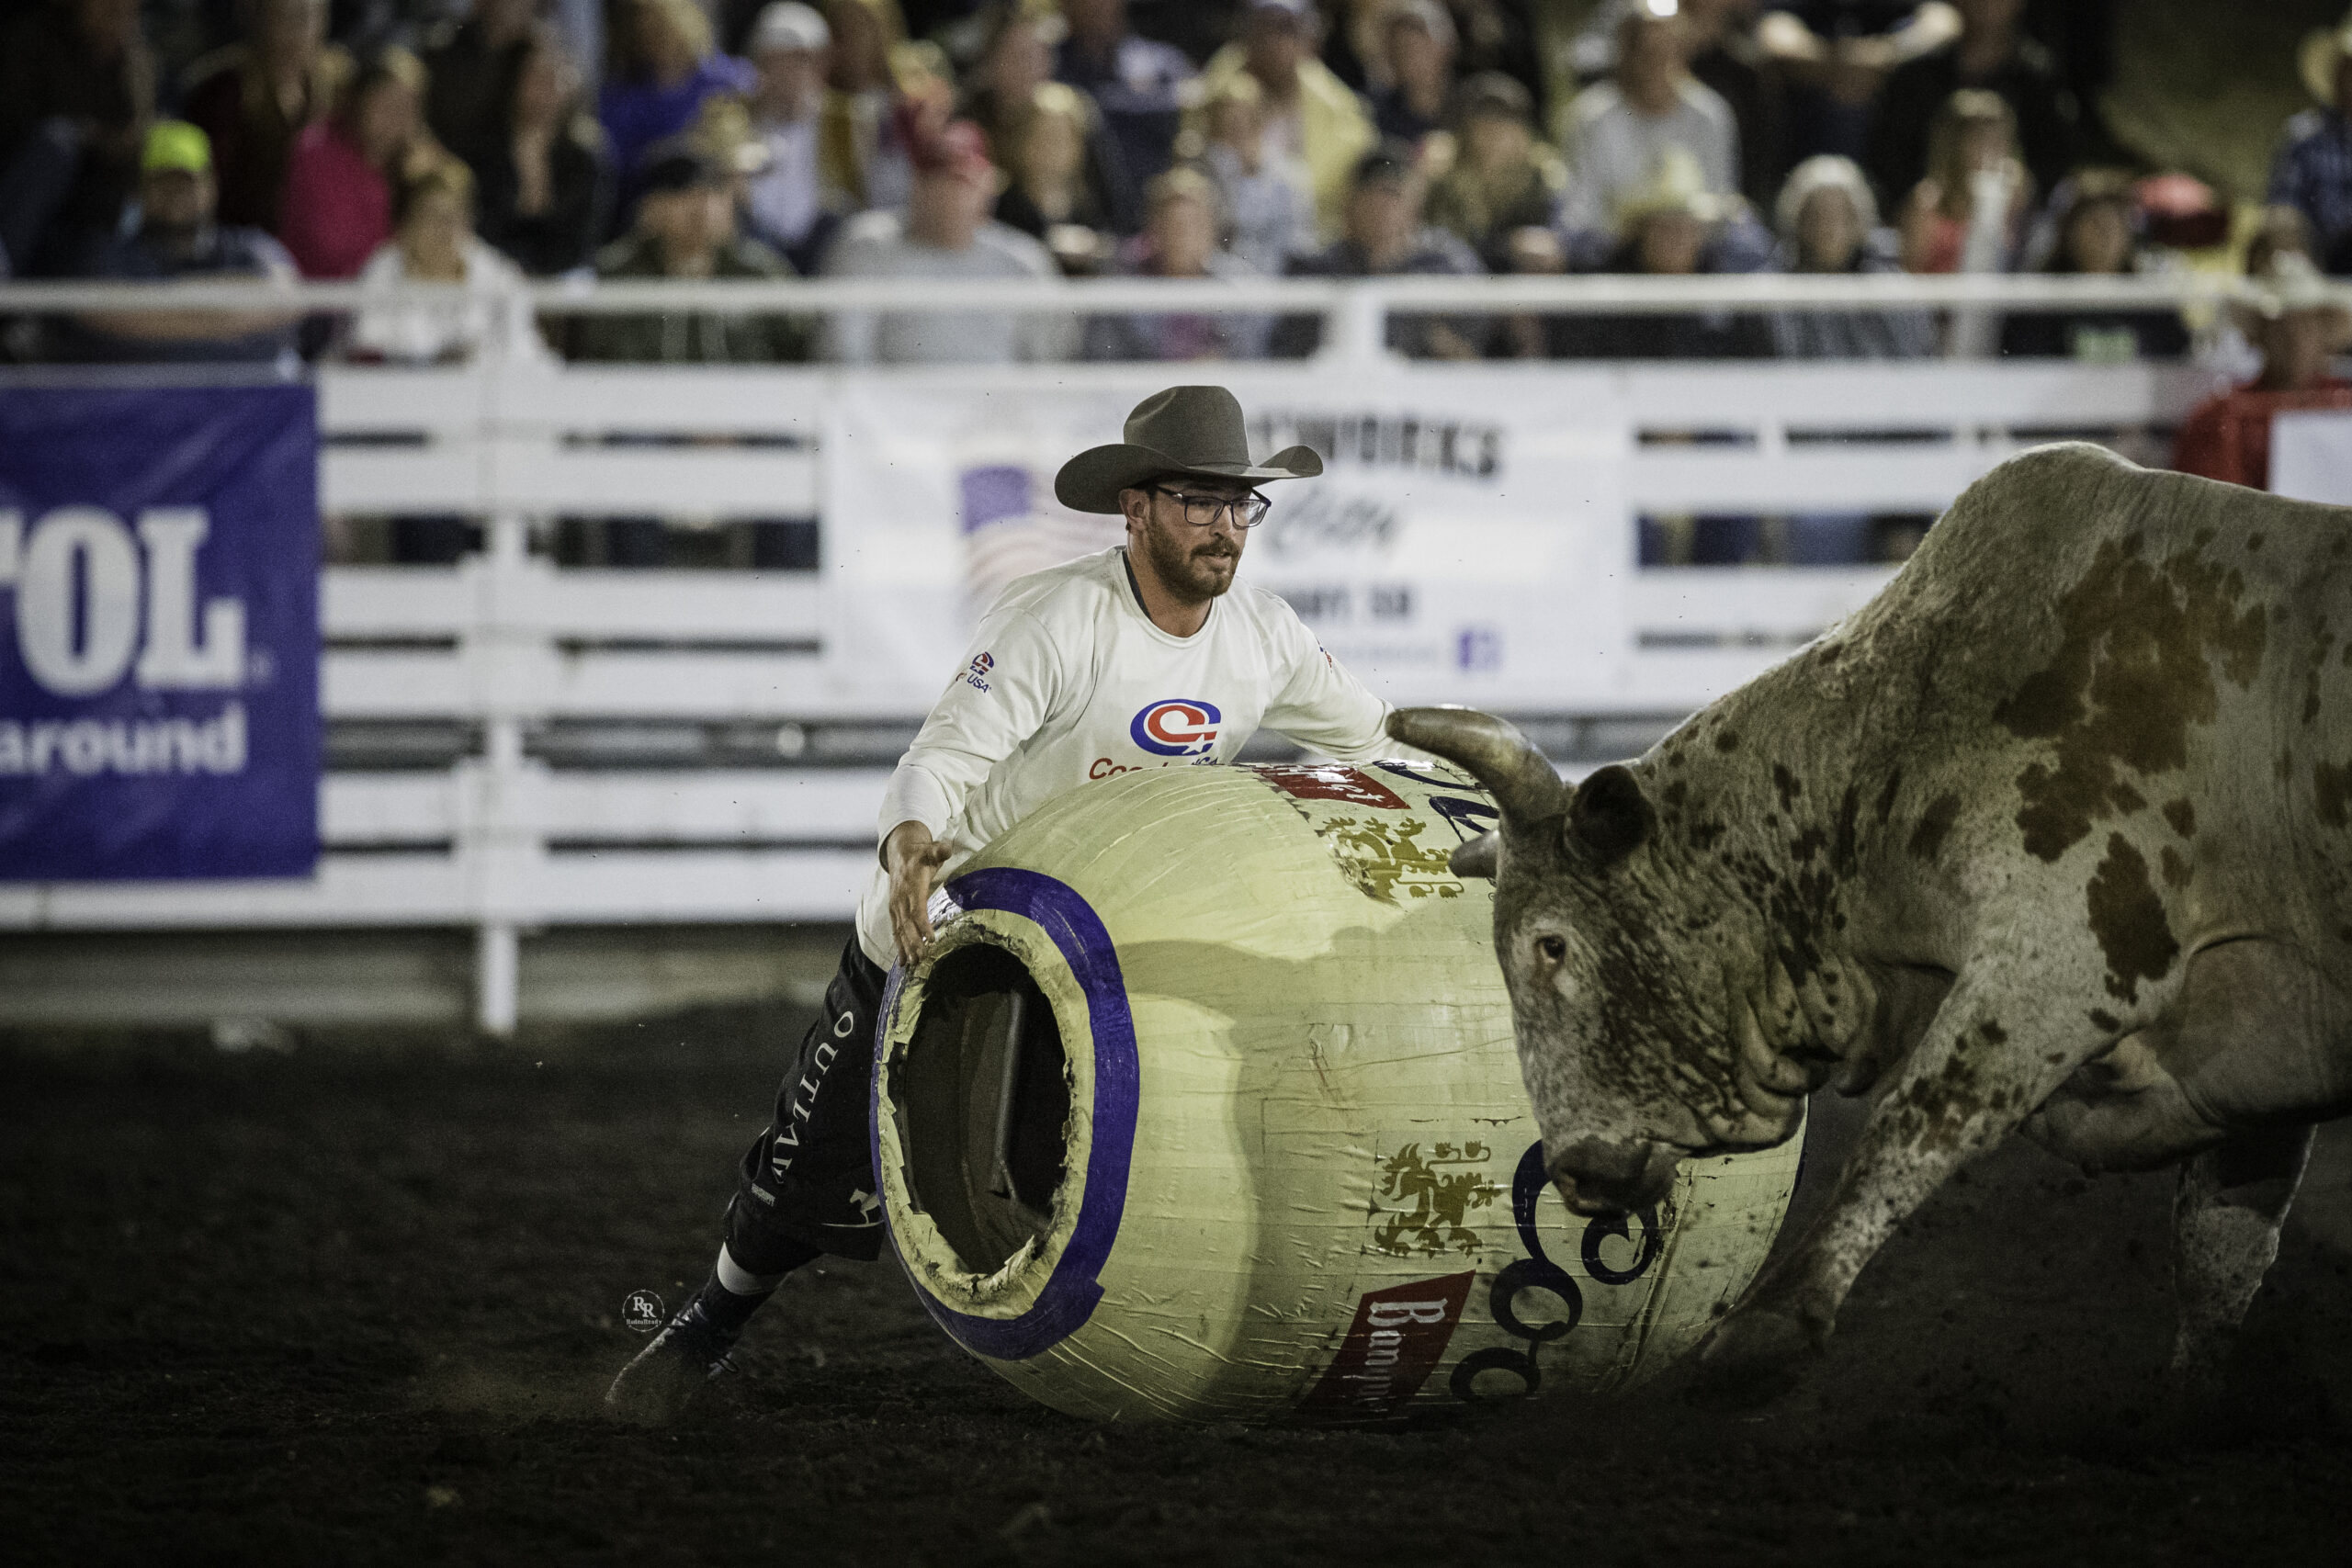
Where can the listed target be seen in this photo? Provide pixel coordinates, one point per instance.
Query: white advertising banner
(1468, 541)
(2310, 455)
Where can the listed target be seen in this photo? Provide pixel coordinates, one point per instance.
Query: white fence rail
(505, 642)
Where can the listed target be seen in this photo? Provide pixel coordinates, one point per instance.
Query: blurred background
(671, 384)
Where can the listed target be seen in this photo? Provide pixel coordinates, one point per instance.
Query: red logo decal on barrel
(1333, 781)
(1398, 1338)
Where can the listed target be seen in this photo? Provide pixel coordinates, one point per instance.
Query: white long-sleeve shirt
(1068, 680)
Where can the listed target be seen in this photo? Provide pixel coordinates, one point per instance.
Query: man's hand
(912, 857)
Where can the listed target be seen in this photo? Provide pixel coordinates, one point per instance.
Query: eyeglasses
(1203, 510)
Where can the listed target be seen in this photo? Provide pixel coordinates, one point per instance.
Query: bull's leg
(2226, 1214)
(1990, 1057)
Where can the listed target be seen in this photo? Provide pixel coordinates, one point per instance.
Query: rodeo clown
(1136, 658)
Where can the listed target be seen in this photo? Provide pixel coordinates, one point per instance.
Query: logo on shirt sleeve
(976, 674)
(1177, 726)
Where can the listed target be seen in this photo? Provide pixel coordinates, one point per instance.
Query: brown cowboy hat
(1184, 430)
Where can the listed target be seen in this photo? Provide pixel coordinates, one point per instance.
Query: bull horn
(1494, 753)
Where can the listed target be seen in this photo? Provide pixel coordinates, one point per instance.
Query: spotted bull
(2054, 835)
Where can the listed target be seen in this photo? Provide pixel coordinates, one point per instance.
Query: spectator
(1048, 197)
(1618, 132)
(77, 96)
(2300, 327)
(1839, 54)
(944, 233)
(2313, 173)
(2231, 355)
(1179, 240)
(434, 242)
(1385, 237)
(1992, 53)
(178, 237)
(254, 98)
(1269, 216)
(786, 205)
(1502, 179)
(685, 230)
(2097, 228)
(1419, 46)
(1828, 218)
(340, 178)
(1965, 213)
(1726, 56)
(546, 185)
(1311, 118)
(1671, 227)
(863, 143)
(1137, 84)
(471, 67)
(664, 68)
(1011, 87)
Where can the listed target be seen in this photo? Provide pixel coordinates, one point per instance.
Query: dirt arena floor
(355, 1302)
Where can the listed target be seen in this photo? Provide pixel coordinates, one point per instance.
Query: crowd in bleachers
(480, 141)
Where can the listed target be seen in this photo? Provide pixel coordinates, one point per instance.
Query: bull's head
(1626, 1039)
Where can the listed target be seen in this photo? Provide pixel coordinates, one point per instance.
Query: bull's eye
(1554, 949)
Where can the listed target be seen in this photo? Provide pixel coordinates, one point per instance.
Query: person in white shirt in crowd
(945, 232)
(1147, 655)
(1269, 215)
(785, 205)
(1617, 132)
(434, 242)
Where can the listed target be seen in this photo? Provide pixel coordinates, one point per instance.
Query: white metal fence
(506, 642)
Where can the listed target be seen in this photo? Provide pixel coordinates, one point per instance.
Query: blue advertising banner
(159, 632)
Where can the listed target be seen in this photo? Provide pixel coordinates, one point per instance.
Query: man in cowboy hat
(1140, 657)
(2313, 172)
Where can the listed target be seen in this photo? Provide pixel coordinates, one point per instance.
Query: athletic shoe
(655, 1388)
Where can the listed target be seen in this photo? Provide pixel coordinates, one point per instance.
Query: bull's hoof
(1752, 1358)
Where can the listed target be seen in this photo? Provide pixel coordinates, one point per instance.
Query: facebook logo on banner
(159, 633)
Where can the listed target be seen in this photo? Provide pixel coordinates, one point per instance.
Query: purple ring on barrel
(1071, 1292)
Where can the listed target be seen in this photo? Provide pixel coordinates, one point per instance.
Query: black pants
(807, 1180)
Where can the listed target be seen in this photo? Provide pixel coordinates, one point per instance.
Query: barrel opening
(982, 1099)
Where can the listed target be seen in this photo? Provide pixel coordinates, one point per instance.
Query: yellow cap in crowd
(174, 145)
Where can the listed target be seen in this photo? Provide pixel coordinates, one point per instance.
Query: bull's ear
(1478, 857)
(1610, 817)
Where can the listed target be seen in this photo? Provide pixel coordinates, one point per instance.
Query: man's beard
(1197, 568)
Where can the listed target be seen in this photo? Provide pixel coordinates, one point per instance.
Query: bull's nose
(1596, 1178)
(1578, 1202)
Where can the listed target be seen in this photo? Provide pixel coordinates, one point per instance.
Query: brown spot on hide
(2102, 1019)
(2128, 920)
(2128, 800)
(1727, 741)
(2133, 670)
(2253, 543)
(1935, 826)
(1992, 1031)
(1675, 793)
(1704, 834)
(1848, 808)
(2311, 705)
(2182, 816)
(1886, 796)
(2332, 793)
(2175, 867)
(1785, 784)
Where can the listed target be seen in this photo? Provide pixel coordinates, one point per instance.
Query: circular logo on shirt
(1177, 726)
